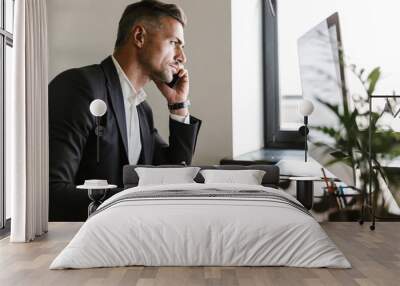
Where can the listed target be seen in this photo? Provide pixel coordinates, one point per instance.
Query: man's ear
(138, 35)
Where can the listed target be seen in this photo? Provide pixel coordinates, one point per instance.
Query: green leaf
(372, 79)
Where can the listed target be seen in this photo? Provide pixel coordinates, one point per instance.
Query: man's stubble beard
(164, 75)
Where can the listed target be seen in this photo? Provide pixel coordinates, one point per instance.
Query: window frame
(274, 137)
(6, 39)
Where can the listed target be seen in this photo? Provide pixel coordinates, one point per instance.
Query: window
(274, 135)
(6, 44)
(368, 36)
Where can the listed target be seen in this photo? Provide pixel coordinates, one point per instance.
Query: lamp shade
(306, 107)
(98, 107)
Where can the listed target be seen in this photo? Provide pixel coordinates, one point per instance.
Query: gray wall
(83, 32)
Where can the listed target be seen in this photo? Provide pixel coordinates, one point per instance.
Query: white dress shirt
(132, 98)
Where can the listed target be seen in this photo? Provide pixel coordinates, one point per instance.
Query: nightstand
(96, 195)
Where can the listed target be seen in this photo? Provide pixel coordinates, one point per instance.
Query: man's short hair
(151, 10)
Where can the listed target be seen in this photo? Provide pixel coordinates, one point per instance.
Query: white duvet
(200, 231)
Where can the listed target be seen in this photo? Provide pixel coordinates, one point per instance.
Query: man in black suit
(149, 47)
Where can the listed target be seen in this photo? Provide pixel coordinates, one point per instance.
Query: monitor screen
(321, 72)
(322, 77)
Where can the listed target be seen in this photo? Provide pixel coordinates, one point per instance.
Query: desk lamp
(98, 108)
(306, 107)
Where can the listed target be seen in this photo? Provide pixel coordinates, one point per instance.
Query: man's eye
(173, 43)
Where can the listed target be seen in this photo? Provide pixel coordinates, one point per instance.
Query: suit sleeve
(182, 143)
(70, 123)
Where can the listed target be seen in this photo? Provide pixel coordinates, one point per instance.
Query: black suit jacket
(72, 137)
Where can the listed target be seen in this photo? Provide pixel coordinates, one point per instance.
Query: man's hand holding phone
(177, 93)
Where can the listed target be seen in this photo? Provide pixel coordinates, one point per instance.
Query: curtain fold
(27, 122)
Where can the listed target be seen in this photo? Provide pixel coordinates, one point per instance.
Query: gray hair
(149, 10)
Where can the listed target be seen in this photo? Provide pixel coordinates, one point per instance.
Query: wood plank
(375, 257)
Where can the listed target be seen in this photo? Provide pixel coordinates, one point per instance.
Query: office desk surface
(264, 156)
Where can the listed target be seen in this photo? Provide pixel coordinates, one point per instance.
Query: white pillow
(162, 176)
(249, 177)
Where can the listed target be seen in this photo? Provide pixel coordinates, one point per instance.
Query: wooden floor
(375, 257)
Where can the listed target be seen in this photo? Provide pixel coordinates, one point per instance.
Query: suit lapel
(116, 98)
(145, 136)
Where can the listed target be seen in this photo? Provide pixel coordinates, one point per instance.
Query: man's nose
(181, 57)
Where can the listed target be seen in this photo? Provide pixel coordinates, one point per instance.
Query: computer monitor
(322, 77)
(321, 72)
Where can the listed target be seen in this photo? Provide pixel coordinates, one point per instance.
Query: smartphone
(174, 81)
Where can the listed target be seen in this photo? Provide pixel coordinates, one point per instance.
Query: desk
(264, 156)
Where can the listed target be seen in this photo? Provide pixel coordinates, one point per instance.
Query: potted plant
(361, 140)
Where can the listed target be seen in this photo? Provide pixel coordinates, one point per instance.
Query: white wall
(247, 76)
(207, 37)
(83, 32)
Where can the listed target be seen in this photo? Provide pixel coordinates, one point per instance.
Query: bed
(201, 224)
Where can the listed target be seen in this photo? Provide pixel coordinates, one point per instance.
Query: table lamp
(306, 107)
(98, 108)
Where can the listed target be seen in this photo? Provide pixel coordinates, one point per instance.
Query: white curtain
(27, 123)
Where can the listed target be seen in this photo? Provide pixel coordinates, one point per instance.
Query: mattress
(201, 225)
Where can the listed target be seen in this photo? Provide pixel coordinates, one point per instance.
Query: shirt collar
(132, 96)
